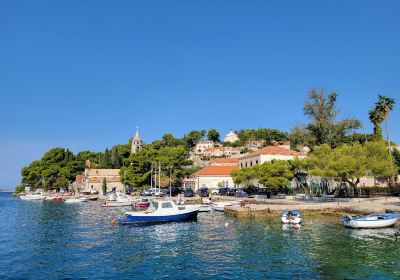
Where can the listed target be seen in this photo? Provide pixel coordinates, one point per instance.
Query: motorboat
(205, 208)
(83, 198)
(220, 206)
(33, 196)
(163, 211)
(93, 197)
(120, 200)
(55, 198)
(291, 217)
(370, 221)
(142, 203)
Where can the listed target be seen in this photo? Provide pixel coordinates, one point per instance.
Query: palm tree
(385, 105)
(376, 117)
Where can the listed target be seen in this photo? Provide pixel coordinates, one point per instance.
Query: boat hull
(142, 219)
(368, 222)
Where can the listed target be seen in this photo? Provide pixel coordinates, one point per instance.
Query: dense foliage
(55, 169)
(323, 128)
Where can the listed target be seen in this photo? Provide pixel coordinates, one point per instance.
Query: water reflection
(56, 240)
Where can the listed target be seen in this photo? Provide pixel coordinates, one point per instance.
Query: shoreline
(350, 206)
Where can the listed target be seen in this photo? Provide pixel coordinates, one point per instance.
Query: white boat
(203, 207)
(83, 199)
(220, 206)
(163, 211)
(73, 200)
(119, 200)
(33, 196)
(291, 217)
(370, 221)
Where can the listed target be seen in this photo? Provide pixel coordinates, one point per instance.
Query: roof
(137, 136)
(216, 170)
(103, 172)
(274, 150)
(224, 160)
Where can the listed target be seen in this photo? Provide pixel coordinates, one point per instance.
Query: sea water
(49, 239)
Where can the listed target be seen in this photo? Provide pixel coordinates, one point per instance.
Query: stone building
(269, 153)
(92, 180)
(137, 142)
(201, 146)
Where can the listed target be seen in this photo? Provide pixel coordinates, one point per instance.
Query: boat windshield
(167, 205)
(153, 205)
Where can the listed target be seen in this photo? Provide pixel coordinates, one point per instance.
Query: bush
(20, 188)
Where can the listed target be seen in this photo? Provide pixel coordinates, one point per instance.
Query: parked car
(214, 191)
(204, 192)
(240, 193)
(188, 193)
(174, 191)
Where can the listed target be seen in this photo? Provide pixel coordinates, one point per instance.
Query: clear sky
(83, 74)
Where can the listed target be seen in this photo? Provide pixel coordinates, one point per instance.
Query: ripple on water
(56, 240)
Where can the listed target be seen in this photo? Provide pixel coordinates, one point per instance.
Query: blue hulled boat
(163, 211)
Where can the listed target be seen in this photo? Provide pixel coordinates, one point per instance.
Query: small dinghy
(142, 203)
(220, 206)
(291, 217)
(370, 221)
(163, 211)
(203, 207)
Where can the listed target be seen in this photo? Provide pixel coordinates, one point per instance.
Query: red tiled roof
(274, 150)
(221, 170)
(224, 160)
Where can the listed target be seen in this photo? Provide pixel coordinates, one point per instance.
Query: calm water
(52, 240)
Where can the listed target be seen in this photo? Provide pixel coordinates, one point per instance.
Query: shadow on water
(55, 240)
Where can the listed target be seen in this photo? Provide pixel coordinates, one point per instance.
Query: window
(251, 163)
(166, 205)
(257, 161)
(246, 164)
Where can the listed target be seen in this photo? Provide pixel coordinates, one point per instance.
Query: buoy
(226, 224)
(113, 222)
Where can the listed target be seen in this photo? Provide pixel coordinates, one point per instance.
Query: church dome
(231, 137)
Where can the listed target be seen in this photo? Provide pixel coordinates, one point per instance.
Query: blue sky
(84, 74)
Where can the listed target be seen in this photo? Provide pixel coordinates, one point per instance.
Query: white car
(214, 191)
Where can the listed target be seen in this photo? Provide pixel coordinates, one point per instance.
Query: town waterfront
(46, 239)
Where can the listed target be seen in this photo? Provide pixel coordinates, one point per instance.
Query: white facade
(202, 146)
(212, 181)
(231, 137)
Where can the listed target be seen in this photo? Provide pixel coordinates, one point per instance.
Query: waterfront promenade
(259, 208)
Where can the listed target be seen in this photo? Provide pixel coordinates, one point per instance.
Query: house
(255, 144)
(92, 180)
(269, 153)
(221, 151)
(215, 176)
(224, 161)
(201, 146)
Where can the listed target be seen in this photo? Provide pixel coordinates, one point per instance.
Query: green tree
(104, 186)
(324, 128)
(213, 135)
(275, 173)
(115, 159)
(193, 137)
(105, 161)
(384, 105)
(376, 117)
(348, 163)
